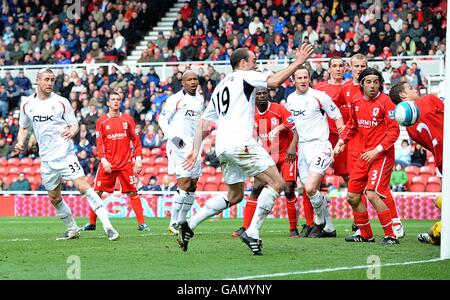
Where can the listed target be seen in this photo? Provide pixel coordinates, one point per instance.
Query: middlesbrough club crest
(125, 125)
(274, 121)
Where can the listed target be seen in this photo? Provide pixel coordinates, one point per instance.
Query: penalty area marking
(328, 270)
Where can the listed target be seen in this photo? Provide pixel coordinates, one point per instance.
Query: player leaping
(232, 107)
(54, 124)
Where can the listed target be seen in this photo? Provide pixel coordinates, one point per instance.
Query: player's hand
(291, 155)
(106, 165)
(340, 129)
(19, 147)
(178, 142)
(369, 155)
(190, 161)
(67, 134)
(340, 146)
(304, 52)
(137, 166)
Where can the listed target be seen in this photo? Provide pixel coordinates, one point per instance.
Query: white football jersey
(49, 119)
(232, 107)
(308, 114)
(180, 116)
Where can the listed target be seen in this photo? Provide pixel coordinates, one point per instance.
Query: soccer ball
(406, 113)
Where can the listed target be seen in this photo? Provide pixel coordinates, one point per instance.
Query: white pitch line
(333, 269)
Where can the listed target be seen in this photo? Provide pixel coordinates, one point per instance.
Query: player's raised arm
(277, 79)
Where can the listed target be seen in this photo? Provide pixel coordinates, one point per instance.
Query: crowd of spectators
(35, 32)
(273, 29)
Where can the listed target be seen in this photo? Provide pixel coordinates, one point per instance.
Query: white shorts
(67, 168)
(313, 157)
(242, 162)
(175, 164)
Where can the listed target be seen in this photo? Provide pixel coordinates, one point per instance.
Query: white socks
(97, 206)
(213, 207)
(328, 224)
(177, 202)
(263, 207)
(65, 214)
(318, 202)
(187, 204)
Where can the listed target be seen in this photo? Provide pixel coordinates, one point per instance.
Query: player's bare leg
(384, 215)
(64, 212)
(361, 217)
(97, 206)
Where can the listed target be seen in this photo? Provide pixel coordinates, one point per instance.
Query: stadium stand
(34, 33)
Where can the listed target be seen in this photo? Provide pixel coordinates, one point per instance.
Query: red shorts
(352, 157)
(288, 171)
(105, 182)
(375, 175)
(340, 161)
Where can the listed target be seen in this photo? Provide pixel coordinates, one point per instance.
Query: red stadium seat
(417, 184)
(4, 171)
(3, 162)
(36, 169)
(148, 161)
(11, 178)
(37, 162)
(201, 180)
(29, 171)
(155, 152)
(412, 171)
(161, 161)
(146, 152)
(223, 187)
(433, 184)
(219, 170)
(34, 182)
(200, 186)
(162, 170)
(333, 180)
(26, 161)
(14, 170)
(210, 171)
(427, 170)
(214, 179)
(13, 161)
(151, 171)
(211, 186)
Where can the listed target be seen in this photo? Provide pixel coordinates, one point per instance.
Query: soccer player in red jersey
(351, 91)
(268, 116)
(428, 130)
(115, 133)
(333, 89)
(373, 117)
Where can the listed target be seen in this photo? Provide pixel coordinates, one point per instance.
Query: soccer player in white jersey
(232, 107)
(308, 109)
(178, 120)
(54, 123)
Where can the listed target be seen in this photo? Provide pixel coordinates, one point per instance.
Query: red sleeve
(135, 138)
(285, 115)
(351, 128)
(99, 139)
(393, 129)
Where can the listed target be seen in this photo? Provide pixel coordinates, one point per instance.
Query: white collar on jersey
(120, 114)
(261, 113)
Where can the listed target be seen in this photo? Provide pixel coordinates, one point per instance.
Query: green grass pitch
(28, 250)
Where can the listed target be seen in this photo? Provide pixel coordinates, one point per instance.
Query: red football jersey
(114, 138)
(275, 115)
(333, 90)
(428, 131)
(374, 120)
(348, 94)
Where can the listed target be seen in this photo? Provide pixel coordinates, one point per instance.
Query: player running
(116, 132)
(232, 106)
(54, 124)
(178, 120)
(268, 117)
(372, 115)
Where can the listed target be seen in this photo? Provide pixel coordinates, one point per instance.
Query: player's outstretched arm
(340, 146)
(276, 131)
(280, 77)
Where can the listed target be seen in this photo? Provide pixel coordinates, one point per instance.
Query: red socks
(137, 207)
(386, 222)
(363, 223)
(308, 209)
(390, 203)
(292, 212)
(92, 217)
(249, 211)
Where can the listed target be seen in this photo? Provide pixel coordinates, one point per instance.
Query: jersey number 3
(223, 101)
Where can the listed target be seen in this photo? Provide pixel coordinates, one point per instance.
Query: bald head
(190, 82)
